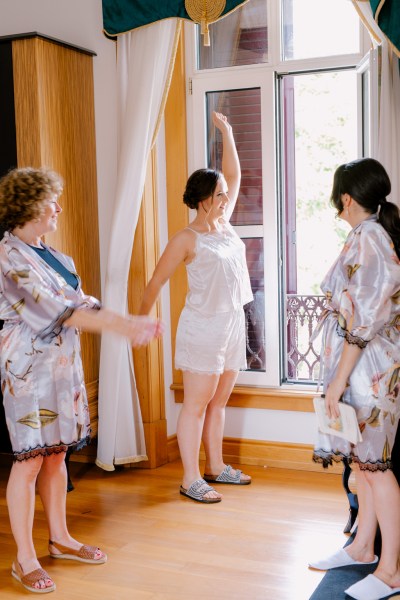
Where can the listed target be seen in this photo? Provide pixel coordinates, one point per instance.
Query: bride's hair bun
(200, 185)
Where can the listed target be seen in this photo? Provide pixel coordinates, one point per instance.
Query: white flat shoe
(370, 588)
(339, 559)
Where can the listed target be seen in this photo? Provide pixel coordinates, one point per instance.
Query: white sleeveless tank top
(218, 277)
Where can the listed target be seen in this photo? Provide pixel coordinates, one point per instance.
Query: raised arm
(178, 250)
(230, 159)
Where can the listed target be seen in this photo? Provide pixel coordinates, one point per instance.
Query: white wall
(79, 22)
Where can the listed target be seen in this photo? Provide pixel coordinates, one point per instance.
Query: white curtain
(145, 60)
(388, 149)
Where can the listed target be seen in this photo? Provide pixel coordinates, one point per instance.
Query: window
(243, 109)
(297, 102)
(238, 39)
(319, 132)
(317, 28)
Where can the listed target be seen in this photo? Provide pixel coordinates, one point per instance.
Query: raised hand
(221, 122)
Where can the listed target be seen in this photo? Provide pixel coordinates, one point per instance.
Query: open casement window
(326, 119)
(298, 107)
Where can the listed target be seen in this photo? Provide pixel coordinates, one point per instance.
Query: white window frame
(261, 76)
(369, 63)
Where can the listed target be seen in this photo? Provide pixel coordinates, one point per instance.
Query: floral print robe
(41, 371)
(362, 291)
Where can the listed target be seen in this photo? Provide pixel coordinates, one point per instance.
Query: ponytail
(366, 180)
(389, 218)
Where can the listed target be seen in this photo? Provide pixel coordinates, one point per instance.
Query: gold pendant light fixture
(205, 12)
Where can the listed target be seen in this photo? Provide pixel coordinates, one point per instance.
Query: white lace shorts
(211, 345)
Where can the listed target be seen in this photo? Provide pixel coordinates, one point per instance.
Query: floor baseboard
(236, 451)
(263, 453)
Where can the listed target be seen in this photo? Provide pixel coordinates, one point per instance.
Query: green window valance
(120, 16)
(387, 15)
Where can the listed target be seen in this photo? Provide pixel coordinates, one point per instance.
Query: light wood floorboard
(162, 546)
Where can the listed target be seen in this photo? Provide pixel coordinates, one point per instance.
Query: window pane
(313, 28)
(320, 132)
(255, 311)
(243, 109)
(238, 39)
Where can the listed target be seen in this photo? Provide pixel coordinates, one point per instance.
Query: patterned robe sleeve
(373, 279)
(35, 301)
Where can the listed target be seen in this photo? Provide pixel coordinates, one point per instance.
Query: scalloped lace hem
(328, 458)
(49, 450)
(350, 338)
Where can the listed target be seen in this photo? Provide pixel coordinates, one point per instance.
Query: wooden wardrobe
(47, 119)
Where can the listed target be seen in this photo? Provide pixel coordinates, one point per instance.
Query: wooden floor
(253, 545)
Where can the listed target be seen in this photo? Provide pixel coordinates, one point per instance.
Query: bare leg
(52, 487)
(362, 547)
(386, 495)
(21, 509)
(379, 503)
(213, 430)
(198, 391)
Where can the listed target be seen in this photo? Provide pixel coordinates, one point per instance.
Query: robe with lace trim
(41, 370)
(362, 291)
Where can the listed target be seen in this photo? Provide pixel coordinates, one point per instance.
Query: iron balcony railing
(303, 355)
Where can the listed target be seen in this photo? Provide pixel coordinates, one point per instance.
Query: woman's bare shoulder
(183, 235)
(183, 239)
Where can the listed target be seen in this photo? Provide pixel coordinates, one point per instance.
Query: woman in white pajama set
(211, 331)
(210, 341)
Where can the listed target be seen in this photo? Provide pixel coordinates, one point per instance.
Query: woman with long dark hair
(361, 362)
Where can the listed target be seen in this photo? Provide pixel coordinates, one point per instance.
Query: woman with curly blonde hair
(43, 306)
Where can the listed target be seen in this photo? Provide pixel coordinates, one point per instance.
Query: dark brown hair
(367, 181)
(200, 185)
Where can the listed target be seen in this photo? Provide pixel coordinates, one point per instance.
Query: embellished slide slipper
(227, 477)
(30, 579)
(198, 490)
(84, 554)
(371, 588)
